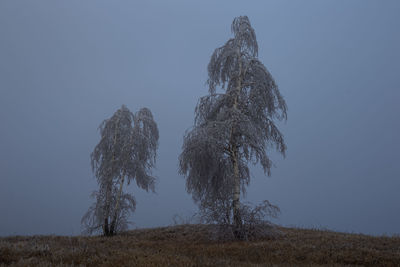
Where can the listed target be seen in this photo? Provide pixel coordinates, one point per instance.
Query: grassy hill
(190, 245)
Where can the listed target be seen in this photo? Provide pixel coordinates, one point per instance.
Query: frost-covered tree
(234, 124)
(126, 152)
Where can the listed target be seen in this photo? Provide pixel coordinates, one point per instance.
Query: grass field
(191, 245)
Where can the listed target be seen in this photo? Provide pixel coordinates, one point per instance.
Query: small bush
(254, 220)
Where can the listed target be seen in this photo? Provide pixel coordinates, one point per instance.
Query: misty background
(65, 66)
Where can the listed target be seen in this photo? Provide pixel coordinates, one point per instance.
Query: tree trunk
(116, 210)
(106, 228)
(106, 231)
(237, 220)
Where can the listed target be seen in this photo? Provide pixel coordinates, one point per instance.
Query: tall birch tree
(126, 152)
(234, 124)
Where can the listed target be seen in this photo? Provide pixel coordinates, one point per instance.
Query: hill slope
(189, 245)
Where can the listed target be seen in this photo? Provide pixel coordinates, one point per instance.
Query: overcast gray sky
(67, 65)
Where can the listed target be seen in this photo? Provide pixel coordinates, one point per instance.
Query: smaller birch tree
(234, 126)
(126, 152)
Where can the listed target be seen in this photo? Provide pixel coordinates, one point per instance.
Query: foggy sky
(67, 65)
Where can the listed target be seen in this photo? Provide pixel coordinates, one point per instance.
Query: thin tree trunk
(236, 196)
(106, 232)
(116, 210)
(106, 228)
(237, 220)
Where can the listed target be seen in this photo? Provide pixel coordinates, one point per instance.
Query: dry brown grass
(190, 245)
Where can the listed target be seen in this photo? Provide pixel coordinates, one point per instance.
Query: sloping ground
(190, 245)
